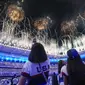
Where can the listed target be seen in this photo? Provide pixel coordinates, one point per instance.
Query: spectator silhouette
(74, 71)
(36, 70)
(61, 63)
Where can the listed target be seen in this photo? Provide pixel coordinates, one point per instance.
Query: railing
(13, 80)
(9, 80)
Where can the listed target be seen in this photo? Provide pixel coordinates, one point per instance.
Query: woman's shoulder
(64, 70)
(48, 61)
(27, 64)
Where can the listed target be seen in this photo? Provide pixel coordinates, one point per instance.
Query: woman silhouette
(36, 70)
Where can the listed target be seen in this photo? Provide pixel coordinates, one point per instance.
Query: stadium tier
(13, 54)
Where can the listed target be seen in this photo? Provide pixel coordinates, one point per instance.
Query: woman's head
(60, 64)
(73, 54)
(37, 54)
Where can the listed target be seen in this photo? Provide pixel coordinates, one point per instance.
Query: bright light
(15, 13)
(42, 23)
(68, 27)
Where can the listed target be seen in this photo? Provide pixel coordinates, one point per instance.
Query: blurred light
(22, 0)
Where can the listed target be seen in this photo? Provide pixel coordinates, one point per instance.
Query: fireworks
(83, 15)
(42, 23)
(15, 13)
(68, 28)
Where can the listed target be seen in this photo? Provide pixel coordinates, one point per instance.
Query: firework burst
(42, 23)
(15, 13)
(68, 27)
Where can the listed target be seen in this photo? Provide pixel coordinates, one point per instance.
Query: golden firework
(15, 13)
(68, 27)
(41, 24)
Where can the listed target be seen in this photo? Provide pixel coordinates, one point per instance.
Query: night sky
(58, 10)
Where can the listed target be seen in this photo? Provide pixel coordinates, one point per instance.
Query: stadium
(57, 30)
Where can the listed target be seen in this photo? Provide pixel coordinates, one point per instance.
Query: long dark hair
(37, 54)
(74, 62)
(60, 64)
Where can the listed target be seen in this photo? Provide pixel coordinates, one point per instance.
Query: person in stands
(61, 63)
(36, 70)
(74, 71)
